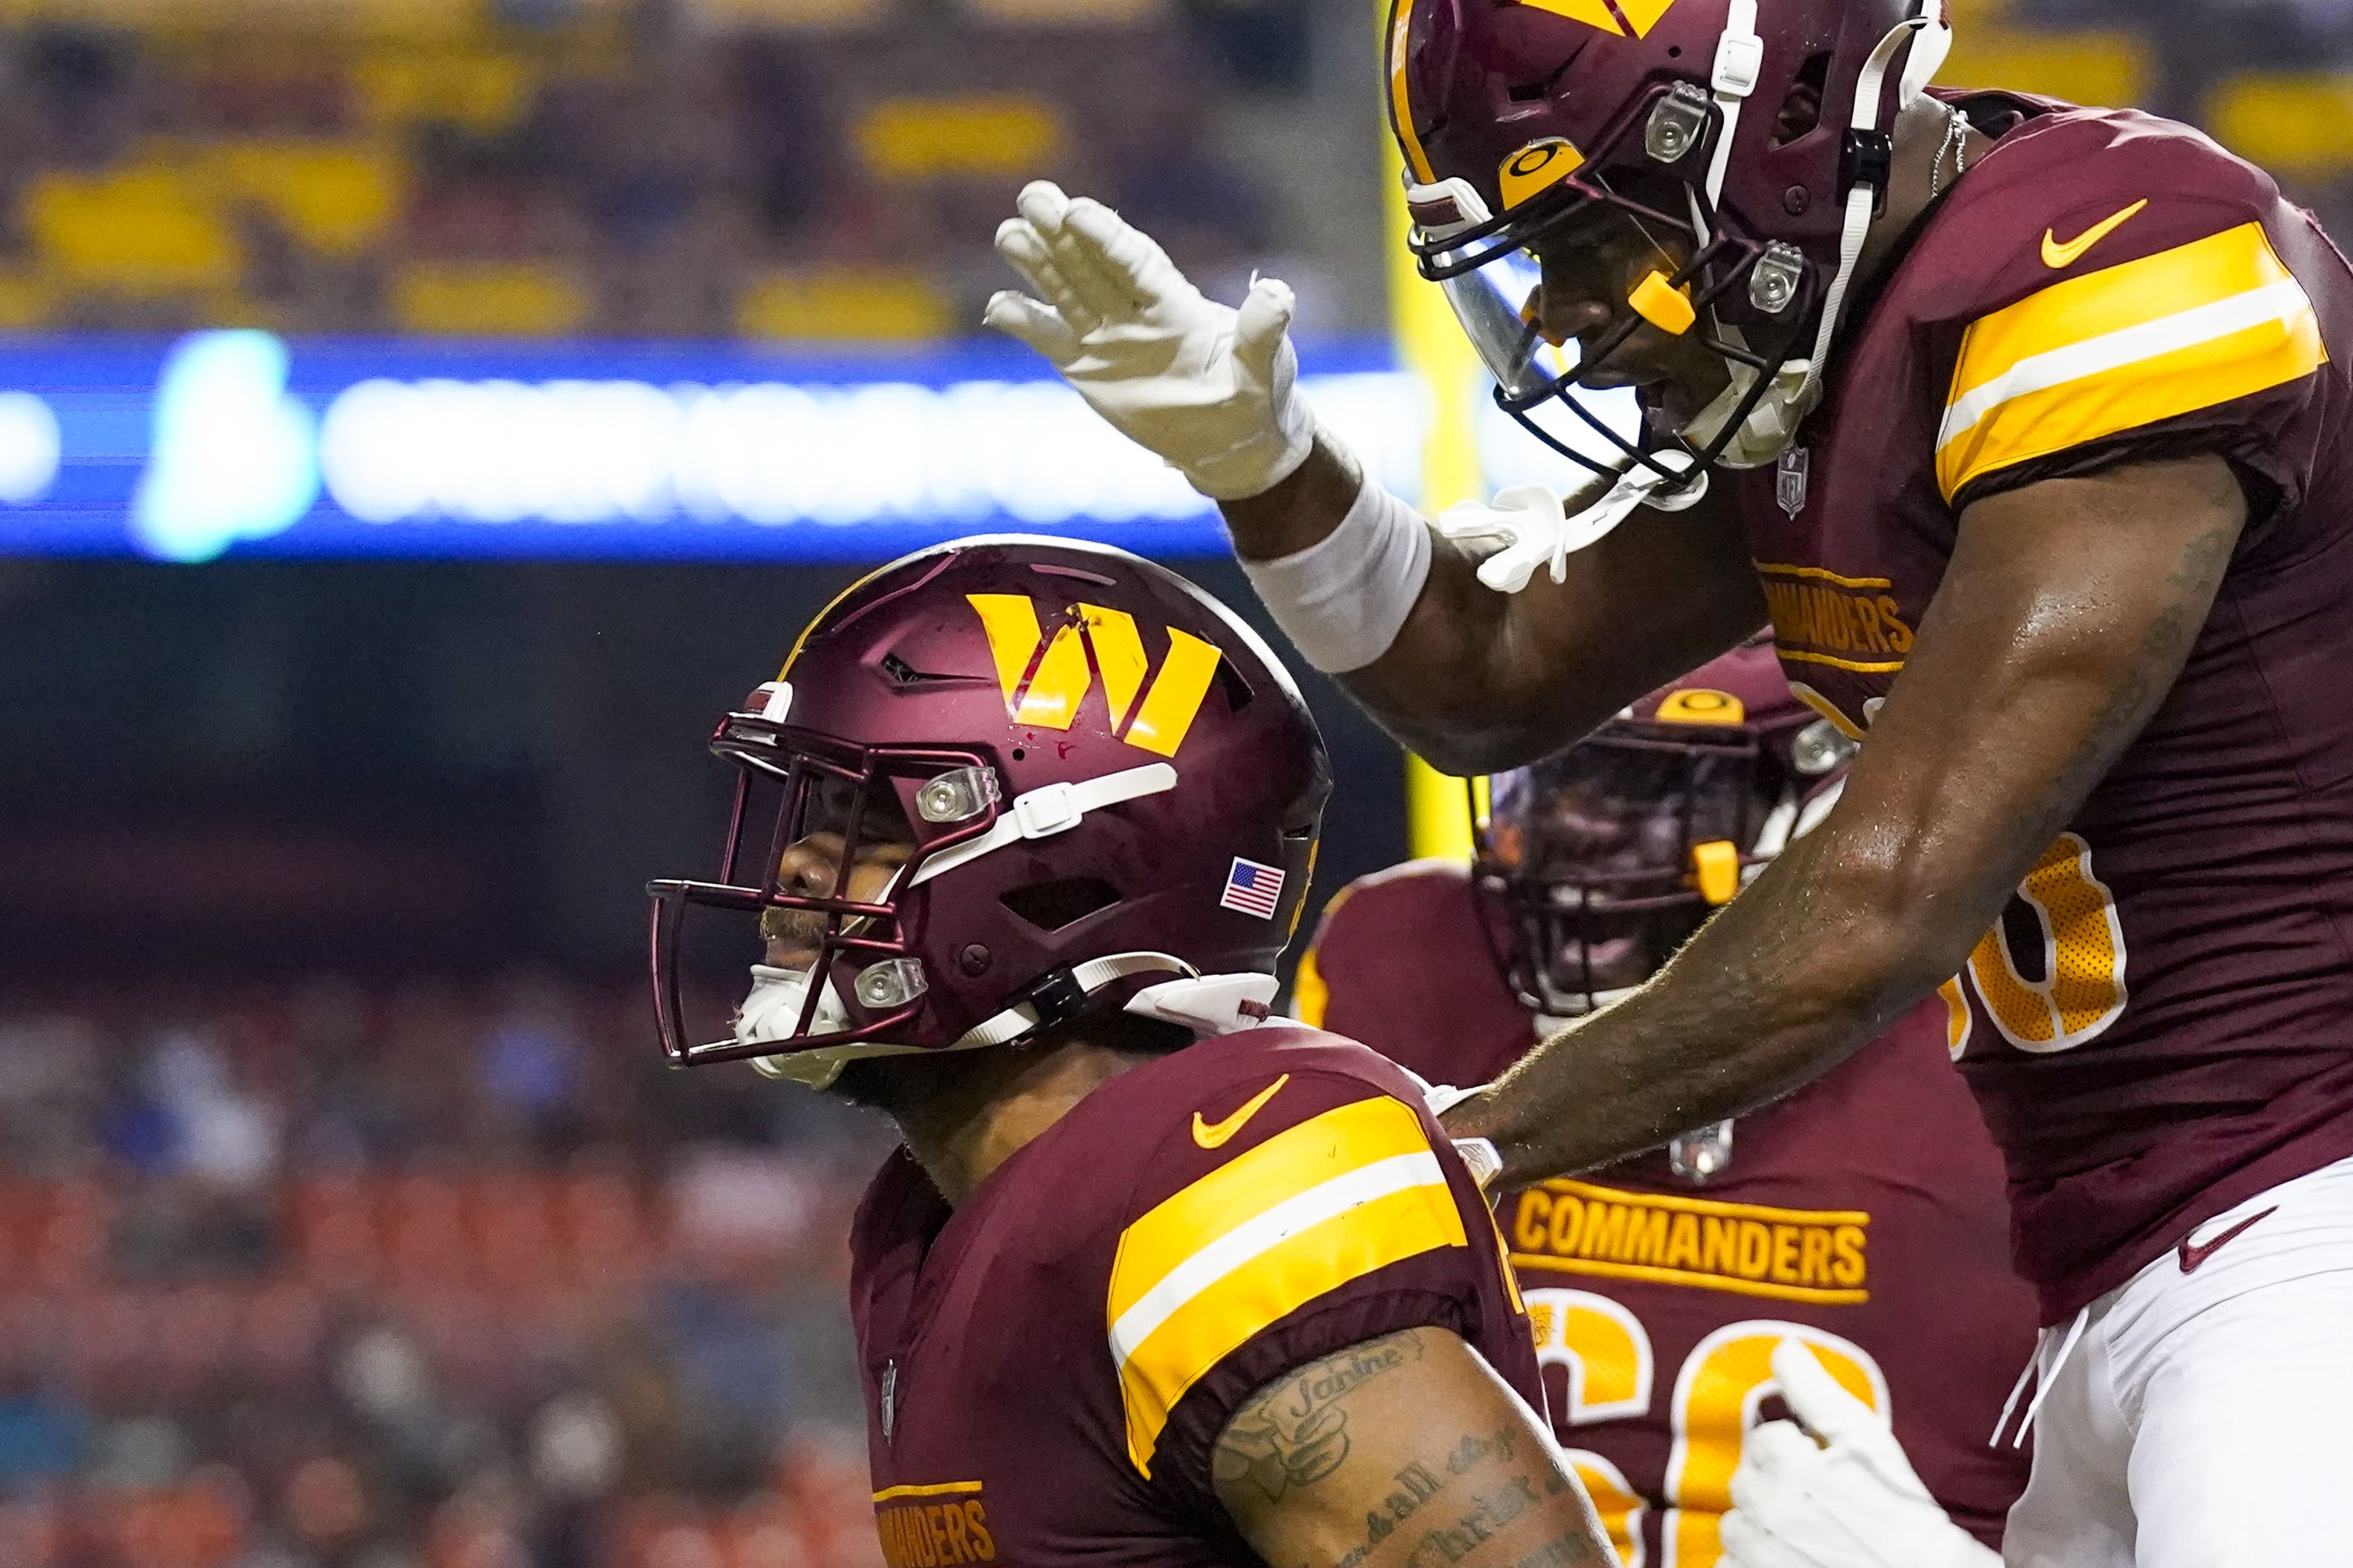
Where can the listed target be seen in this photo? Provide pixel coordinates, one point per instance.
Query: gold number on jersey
(1607, 1354)
(1725, 1378)
(2082, 990)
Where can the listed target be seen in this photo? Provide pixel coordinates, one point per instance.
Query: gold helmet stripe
(1400, 98)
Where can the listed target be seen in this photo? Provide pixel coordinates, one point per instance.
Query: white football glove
(1212, 390)
(1525, 526)
(1850, 1501)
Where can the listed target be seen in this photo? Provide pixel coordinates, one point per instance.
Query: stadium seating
(483, 1220)
(2294, 123)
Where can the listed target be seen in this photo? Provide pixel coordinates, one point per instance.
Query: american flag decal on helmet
(1253, 888)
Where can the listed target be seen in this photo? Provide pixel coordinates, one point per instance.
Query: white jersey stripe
(2281, 301)
(1263, 1233)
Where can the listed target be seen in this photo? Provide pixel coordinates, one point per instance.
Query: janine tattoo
(1294, 1433)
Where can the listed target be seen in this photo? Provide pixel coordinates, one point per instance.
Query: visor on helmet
(1659, 168)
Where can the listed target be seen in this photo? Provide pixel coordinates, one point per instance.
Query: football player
(1863, 1218)
(1021, 829)
(2026, 426)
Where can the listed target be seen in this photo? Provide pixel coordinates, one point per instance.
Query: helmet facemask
(1597, 866)
(1759, 291)
(1709, 278)
(819, 896)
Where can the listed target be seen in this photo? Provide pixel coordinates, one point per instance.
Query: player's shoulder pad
(1384, 913)
(1285, 1165)
(2107, 271)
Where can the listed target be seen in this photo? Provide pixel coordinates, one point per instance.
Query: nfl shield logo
(1790, 481)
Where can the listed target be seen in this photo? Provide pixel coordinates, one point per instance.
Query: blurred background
(419, 419)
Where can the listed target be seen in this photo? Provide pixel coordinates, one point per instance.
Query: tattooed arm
(1406, 1451)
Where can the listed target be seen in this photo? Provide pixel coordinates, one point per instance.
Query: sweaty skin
(1401, 1452)
(2064, 616)
(2067, 612)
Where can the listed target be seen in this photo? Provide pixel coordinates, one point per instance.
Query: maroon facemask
(1595, 865)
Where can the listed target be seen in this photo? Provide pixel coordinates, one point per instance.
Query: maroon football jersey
(1048, 1366)
(1864, 1215)
(2162, 1023)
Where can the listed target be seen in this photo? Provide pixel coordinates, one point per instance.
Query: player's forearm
(1300, 511)
(1803, 969)
(1439, 687)
(1476, 680)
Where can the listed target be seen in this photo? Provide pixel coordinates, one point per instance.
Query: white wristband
(1343, 599)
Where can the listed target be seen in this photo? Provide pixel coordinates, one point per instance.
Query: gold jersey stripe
(942, 1489)
(1227, 1314)
(1829, 1295)
(2189, 328)
(1341, 1195)
(1823, 573)
(1294, 1161)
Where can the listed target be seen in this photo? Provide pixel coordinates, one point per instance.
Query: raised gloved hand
(1208, 388)
(1849, 1501)
(1525, 526)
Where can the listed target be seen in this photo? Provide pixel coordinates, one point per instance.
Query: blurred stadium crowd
(810, 169)
(556, 168)
(423, 1276)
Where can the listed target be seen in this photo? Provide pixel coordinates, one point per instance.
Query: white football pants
(2204, 1419)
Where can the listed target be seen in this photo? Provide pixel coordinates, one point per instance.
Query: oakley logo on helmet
(1046, 680)
(1537, 168)
(1627, 18)
(1701, 705)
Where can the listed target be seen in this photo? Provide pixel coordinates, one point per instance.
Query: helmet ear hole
(1051, 906)
(1801, 109)
(1237, 690)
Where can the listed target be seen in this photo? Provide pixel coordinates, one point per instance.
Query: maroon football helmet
(998, 782)
(1595, 865)
(1531, 124)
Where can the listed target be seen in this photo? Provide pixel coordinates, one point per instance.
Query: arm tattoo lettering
(1295, 1432)
(1567, 1551)
(1418, 1484)
(1490, 1511)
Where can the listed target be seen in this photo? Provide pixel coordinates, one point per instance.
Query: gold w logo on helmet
(1627, 18)
(1045, 680)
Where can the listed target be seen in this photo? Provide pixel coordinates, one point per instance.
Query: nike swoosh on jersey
(2056, 256)
(1215, 1136)
(2192, 1256)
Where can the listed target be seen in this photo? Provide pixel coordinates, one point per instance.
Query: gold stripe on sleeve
(2189, 328)
(1298, 1217)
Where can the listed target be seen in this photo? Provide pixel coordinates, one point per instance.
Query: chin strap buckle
(1869, 159)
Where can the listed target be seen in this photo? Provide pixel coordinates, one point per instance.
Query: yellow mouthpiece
(1715, 869)
(1662, 304)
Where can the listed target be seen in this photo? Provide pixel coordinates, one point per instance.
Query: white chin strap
(1934, 40)
(1057, 809)
(1773, 424)
(1206, 1004)
(1525, 527)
